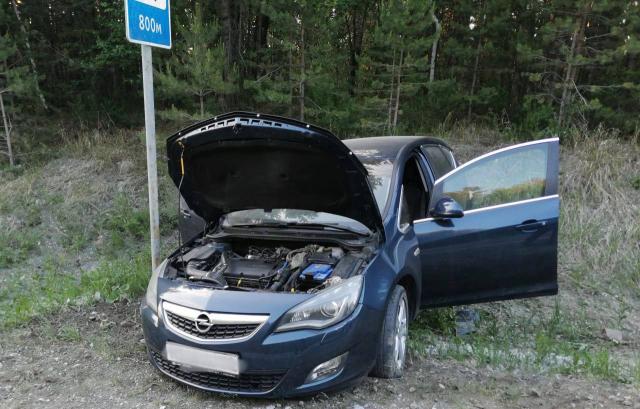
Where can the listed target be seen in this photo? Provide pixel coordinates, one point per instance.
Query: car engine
(266, 268)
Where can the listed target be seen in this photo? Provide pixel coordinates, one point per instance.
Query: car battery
(316, 272)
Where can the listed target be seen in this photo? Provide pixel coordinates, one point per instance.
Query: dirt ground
(94, 358)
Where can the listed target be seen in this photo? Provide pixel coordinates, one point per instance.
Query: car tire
(392, 348)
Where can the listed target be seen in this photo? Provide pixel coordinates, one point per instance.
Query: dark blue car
(305, 257)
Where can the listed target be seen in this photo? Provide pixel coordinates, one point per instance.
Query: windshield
(379, 170)
(380, 185)
(295, 216)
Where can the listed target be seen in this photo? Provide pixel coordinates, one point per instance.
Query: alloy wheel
(402, 329)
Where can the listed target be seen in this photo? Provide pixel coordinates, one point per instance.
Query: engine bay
(266, 266)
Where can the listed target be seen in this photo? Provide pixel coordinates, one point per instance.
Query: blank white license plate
(202, 359)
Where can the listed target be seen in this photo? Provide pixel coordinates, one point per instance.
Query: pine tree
(195, 69)
(398, 64)
(583, 62)
(356, 66)
(275, 88)
(18, 88)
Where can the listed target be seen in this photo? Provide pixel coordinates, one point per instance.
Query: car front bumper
(275, 364)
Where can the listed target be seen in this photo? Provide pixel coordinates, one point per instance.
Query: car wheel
(392, 349)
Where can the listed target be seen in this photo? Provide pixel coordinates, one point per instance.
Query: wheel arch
(412, 288)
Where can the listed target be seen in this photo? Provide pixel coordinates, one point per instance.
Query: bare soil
(94, 358)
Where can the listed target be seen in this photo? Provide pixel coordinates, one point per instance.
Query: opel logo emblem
(203, 323)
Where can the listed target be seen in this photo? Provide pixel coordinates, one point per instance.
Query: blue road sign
(148, 22)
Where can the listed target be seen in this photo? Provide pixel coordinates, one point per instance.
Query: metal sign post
(152, 170)
(148, 23)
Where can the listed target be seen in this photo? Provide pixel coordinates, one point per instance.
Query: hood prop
(180, 203)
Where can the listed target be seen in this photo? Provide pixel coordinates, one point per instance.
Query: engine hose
(292, 279)
(282, 276)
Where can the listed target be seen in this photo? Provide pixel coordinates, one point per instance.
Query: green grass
(76, 204)
(636, 370)
(16, 246)
(122, 224)
(27, 296)
(598, 238)
(69, 333)
(562, 342)
(126, 226)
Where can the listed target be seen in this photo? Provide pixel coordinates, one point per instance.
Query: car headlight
(326, 308)
(151, 298)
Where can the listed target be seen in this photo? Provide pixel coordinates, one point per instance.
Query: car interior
(414, 194)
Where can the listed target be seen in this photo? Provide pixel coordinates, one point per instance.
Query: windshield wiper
(315, 226)
(328, 226)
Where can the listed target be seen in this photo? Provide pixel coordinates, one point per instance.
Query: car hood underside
(244, 161)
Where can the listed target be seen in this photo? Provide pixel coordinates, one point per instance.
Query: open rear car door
(503, 242)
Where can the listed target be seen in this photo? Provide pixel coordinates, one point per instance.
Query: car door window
(510, 175)
(413, 203)
(441, 162)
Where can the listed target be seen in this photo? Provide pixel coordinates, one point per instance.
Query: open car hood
(241, 161)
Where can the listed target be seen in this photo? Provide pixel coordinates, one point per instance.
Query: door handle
(529, 226)
(186, 214)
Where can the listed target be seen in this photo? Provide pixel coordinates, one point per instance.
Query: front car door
(505, 245)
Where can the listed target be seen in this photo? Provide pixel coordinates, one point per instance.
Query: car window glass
(506, 177)
(438, 160)
(380, 180)
(414, 195)
(379, 168)
(260, 216)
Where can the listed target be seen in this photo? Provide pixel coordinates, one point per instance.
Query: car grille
(247, 382)
(218, 331)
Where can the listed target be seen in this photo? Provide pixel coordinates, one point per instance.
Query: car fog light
(327, 369)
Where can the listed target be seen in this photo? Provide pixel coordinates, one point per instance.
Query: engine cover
(249, 268)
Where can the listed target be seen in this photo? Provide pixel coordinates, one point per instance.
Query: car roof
(390, 147)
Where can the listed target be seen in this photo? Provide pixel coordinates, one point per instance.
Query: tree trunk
(356, 20)
(391, 89)
(43, 101)
(353, 73)
(226, 15)
(434, 48)
(302, 73)
(571, 70)
(291, 84)
(260, 34)
(201, 105)
(7, 131)
(395, 113)
(567, 78)
(475, 77)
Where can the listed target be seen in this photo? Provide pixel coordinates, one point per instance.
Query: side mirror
(447, 208)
